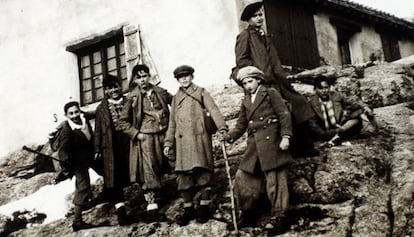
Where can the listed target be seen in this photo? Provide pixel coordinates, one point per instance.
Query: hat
(110, 80)
(249, 71)
(140, 67)
(183, 70)
(250, 9)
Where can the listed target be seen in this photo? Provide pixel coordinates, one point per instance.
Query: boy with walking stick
(267, 120)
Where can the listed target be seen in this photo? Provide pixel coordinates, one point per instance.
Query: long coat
(114, 158)
(131, 119)
(340, 103)
(186, 129)
(266, 120)
(252, 49)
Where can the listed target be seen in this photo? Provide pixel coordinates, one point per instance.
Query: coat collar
(261, 95)
(191, 90)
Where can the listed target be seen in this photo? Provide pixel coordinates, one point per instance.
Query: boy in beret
(254, 47)
(192, 144)
(112, 145)
(144, 119)
(267, 120)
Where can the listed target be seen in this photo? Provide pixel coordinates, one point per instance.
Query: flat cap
(183, 70)
(249, 71)
(250, 9)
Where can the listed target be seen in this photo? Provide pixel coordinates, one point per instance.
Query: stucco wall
(406, 47)
(41, 76)
(327, 38)
(363, 44)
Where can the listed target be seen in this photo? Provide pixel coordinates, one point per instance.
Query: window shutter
(136, 52)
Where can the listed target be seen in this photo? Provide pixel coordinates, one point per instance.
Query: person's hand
(97, 156)
(224, 136)
(166, 151)
(290, 77)
(140, 137)
(284, 144)
(368, 111)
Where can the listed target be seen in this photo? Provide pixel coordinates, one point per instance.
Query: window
(96, 57)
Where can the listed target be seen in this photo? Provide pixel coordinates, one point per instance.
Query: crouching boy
(267, 120)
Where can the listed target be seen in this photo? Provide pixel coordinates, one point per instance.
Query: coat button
(267, 138)
(264, 126)
(261, 118)
(251, 121)
(254, 130)
(180, 136)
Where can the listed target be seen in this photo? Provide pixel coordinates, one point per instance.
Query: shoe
(203, 213)
(80, 225)
(123, 218)
(188, 215)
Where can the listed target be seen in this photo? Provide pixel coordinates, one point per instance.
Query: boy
(113, 146)
(145, 119)
(76, 149)
(266, 118)
(192, 144)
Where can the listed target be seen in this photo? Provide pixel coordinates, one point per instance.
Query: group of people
(138, 135)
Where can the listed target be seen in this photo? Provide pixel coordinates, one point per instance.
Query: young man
(145, 119)
(254, 47)
(76, 150)
(337, 117)
(112, 145)
(192, 144)
(267, 120)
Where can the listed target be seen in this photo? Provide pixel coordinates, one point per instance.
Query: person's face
(323, 92)
(113, 92)
(250, 84)
(185, 81)
(142, 79)
(257, 18)
(73, 113)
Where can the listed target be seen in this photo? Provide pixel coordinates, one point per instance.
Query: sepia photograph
(207, 118)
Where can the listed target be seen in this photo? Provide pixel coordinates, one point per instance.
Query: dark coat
(264, 133)
(340, 103)
(186, 129)
(113, 146)
(131, 116)
(74, 148)
(259, 51)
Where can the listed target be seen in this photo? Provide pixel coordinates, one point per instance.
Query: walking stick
(42, 154)
(233, 207)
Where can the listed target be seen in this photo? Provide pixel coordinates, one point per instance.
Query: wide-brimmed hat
(249, 71)
(250, 9)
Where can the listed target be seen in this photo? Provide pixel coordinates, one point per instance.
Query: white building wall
(327, 38)
(406, 47)
(38, 76)
(363, 44)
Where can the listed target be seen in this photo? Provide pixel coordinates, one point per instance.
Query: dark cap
(140, 67)
(110, 80)
(250, 9)
(183, 70)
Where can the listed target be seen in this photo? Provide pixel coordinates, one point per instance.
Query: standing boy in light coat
(267, 121)
(191, 142)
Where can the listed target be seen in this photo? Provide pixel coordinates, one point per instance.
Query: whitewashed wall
(38, 76)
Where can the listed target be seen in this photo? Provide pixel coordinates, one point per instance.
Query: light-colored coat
(266, 120)
(186, 129)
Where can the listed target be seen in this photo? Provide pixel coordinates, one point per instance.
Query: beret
(250, 9)
(249, 71)
(183, 70)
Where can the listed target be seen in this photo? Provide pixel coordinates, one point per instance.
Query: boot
(80, 225)
(187, 216)
(123, 218)
(203, 211)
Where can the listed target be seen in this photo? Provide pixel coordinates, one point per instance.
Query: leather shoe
(80, 225)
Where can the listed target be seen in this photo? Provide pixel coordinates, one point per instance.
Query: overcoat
(252, 49)
(266, 120)
(340, 104)
(131, 119)
(186, 129)
(114, 158)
